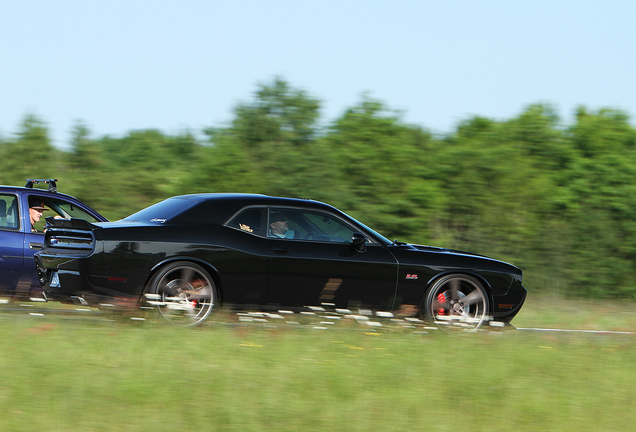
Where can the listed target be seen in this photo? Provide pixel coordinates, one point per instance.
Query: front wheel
(456, 302)
(183, 292)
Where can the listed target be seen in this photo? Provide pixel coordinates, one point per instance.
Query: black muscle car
(190, 254)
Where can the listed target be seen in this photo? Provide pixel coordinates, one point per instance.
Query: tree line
(559, 202)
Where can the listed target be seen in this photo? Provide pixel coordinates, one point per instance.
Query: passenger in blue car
(278, 226)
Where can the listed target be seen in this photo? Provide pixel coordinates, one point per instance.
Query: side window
(9, 213)
(329, 228)
(38, 211)
(250, 220)
(69, 210)
(40, 208)
(308, 225)
(281, 225)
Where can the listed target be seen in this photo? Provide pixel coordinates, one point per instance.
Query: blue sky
(175, 65)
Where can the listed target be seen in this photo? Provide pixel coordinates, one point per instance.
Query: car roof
(51, 189)
(219, 207)
(245, 199)
(15, 189)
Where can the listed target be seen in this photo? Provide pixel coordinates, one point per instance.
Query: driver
(35, 214)
(278, 226)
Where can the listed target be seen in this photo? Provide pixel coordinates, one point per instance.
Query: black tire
(184, 293)
(456, 302)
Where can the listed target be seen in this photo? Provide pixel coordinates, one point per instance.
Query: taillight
(55, 280)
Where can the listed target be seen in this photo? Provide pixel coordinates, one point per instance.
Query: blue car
(22, 219)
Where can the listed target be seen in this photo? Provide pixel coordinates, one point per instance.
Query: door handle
(36, 246)
(280, 250)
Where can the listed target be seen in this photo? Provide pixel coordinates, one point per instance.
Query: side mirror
(358, 242)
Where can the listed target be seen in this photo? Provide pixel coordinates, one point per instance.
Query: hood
(465, 258)
(440, 249)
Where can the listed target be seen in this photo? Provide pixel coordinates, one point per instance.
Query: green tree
(270, 147)
(383, 170)
(559, 202)
(603, 182)
(28, 155)
(502, 192)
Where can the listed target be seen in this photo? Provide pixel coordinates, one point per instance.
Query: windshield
(162, 211)
(376, 234)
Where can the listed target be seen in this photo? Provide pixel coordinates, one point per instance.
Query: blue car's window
(67, 210)
(57, 208)
(9, 214)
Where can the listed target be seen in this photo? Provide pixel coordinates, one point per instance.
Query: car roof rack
(51, 182)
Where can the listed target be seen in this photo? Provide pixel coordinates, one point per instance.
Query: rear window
(9, 215)
(162, 211)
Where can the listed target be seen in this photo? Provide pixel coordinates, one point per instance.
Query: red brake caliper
(441, 298)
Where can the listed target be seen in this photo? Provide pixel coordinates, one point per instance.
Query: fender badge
(411, 276)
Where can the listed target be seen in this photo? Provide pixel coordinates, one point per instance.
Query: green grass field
(75, 373)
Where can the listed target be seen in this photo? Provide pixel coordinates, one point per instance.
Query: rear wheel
(456, 302)
(183, 292)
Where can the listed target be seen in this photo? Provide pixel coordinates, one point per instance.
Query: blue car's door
(11, 243)
(20, 240)
(33, 237)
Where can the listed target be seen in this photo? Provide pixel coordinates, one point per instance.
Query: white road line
(578, 331)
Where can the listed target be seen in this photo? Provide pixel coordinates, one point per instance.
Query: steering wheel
(310, 235)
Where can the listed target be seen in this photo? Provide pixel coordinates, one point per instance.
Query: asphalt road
(317, 319)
